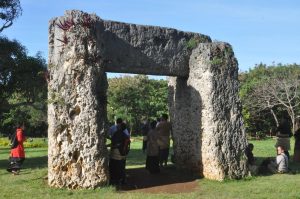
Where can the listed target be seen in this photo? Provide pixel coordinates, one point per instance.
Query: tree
(9, 11)
(136, 98)
(269, 92)
(281, 90)
(23, 88)
(11, 54)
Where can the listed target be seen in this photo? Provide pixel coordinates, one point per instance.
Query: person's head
(164, 117)
(21, 125)
(280, 150)
(250, 146)
(123, 126)
(153, 124)
(119, 121)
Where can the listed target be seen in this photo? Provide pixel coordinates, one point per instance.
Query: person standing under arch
(117, 161)
(152, 161)
(164, 132)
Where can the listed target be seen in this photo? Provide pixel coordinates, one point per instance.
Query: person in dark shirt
(144, 129)
(251, 160)
(249, 154)
(297, 141)
(283, 135)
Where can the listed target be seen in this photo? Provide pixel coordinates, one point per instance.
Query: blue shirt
(114, 129)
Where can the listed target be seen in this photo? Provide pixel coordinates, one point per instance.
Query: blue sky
(259, 30)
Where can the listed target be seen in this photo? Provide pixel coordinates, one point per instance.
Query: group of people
(280, 164)
(156, 144)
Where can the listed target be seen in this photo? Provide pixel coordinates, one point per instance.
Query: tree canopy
(9, 11)
(268, 93)
(136, 98)
(23, 88)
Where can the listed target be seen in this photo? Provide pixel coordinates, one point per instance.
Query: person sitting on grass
(251, 160)
(249, 154)
(281, 164)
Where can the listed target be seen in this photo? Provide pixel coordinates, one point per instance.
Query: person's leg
(160, 157)
(144, 145)
(113, 171)
(15, 165)
(272, 166)
(19, 163)
(166, 156)
(11, 164)
(148, 162)
(156, 164)
(123, 171)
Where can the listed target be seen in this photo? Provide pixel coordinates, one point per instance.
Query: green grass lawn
(32, 184)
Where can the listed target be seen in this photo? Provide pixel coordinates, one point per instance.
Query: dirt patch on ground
(169, 180)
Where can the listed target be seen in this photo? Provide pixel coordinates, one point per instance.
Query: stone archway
(204, 106)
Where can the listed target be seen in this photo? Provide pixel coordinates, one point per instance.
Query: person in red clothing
(17, 153)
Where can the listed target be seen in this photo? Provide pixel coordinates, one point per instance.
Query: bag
(121, 142)
(124, 148)
(14, 141)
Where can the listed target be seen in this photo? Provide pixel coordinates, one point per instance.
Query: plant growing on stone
(192, 43)
(66, 25)
(56, 99)
(216, 61)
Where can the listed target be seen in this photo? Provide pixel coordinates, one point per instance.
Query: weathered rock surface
(150, 50)
(210, 138)
(77, 106)
(204, 104)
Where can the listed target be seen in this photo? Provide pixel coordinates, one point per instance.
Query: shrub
(29, 143)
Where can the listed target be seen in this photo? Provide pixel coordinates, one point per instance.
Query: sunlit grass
(32, 182)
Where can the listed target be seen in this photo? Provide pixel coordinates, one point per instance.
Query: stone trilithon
(205, 110)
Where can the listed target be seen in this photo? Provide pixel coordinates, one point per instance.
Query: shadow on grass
(29, 163)
(264, 171)
(140, 178)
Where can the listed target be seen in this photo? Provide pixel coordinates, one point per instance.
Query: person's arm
(112, 129)
(279, 158)
(126, 132)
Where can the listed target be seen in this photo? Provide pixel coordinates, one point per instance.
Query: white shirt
(282, 162)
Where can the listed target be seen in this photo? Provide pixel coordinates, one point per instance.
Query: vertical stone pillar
(214, 73)
(206, 115)
(77, 155)
(185, 110)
